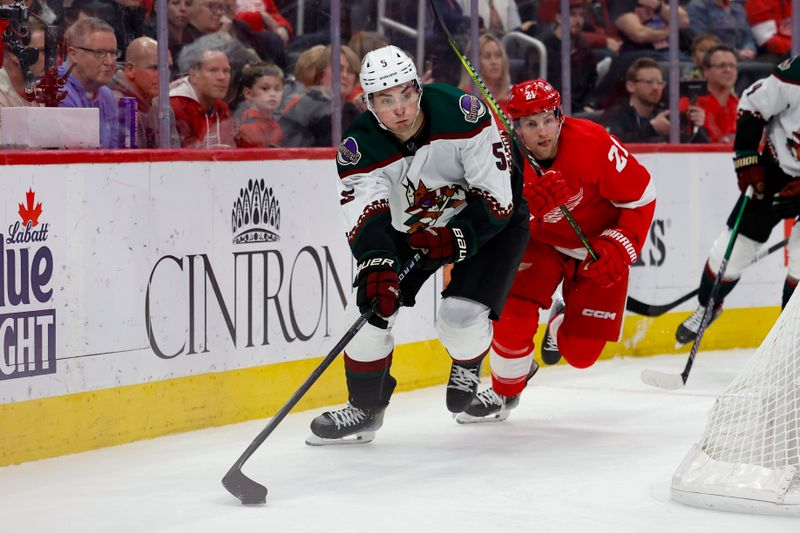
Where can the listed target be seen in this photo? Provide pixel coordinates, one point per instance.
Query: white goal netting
(749, 457)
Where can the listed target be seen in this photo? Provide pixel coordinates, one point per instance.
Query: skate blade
(464, 418)
(359, 438)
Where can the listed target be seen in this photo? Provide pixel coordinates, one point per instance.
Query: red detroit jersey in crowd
(611, 188)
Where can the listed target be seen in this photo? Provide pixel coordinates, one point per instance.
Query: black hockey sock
(788, 289)
(707, 282)
(370, 385)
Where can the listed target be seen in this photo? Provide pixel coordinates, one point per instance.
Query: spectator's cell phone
(691, 89)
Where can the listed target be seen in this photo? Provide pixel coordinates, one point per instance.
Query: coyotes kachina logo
(27, 332)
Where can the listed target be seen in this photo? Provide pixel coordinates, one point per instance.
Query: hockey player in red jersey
(612, 198)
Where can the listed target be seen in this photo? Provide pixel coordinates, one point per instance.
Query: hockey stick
(665, 380)
(241, 486)
(640, 308)
(506, 124)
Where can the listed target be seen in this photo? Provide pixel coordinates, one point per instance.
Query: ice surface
(587, 451)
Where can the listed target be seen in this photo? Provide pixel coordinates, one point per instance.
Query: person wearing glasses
(92, 57)
(138, 79)
(642, 118)
(720, 69)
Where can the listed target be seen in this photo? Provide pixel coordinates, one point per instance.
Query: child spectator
(700, 45)
(256, 126)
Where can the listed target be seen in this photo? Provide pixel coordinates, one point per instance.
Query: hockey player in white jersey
(772, 103)
(425, 168)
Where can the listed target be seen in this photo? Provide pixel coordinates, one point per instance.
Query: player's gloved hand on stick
(545, 193)
(378, 286)
(444, 245)
(616, 253)
(786, 203)
(749, 171)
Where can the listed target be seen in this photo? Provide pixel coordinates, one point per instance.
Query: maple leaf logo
(29, 213)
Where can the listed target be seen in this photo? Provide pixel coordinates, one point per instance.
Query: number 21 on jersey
(618, 154)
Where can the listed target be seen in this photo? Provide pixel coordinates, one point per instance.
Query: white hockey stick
(665, 380)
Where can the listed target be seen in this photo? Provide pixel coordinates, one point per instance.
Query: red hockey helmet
(532, 97)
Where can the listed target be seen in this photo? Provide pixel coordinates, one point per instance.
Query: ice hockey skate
(463, 384)
(687, 331)
(488, 406)
(549, 349)
(350, 425)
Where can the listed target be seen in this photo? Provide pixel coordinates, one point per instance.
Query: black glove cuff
(746, 159)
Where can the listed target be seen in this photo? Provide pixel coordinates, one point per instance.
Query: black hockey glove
(786, 203)
(750, 172)
(444, 245)
(378, 286)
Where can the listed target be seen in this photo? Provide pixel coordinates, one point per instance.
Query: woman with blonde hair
(306, 121)
(494, 69)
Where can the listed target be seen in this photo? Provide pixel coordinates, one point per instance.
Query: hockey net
(749, 457)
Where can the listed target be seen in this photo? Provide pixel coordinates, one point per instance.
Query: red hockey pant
(592, 317)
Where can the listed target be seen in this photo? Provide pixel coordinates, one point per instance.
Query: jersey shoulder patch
(452, 112)
(788, 70)
(364, 147)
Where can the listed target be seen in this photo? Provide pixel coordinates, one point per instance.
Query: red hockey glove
(750, 172)
(545, 193)
(444, 244)
(786, 203)
(378, 285)
(616, 254)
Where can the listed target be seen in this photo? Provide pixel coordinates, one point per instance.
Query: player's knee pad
(793, 247)
(517, 325)
(578, 351)
(371, 343)
(464, 327)
(744, 252)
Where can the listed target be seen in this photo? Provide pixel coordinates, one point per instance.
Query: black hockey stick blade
(245, 489)
(640, 308)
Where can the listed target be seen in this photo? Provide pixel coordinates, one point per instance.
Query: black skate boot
(463, 384)
(333, 427)
(488, 406)
(549, 349)
(687, 331)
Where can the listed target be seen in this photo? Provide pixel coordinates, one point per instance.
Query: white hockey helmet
(385, 68)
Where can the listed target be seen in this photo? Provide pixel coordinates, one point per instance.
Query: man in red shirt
(612, 198)
(720, 69)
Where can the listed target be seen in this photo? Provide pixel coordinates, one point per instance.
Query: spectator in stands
(267, 17)
(139, 79)
(493, 68)
(582, 61)
(202, 117)
(92, 54)
(643, 25)
(720, 68)
(131, 21)
(307, 120)
(12, 78)
(255, 122)
(642, 118)
(499, 16)
(598, 28)
(725, 19)
(177, 20)
(771, 25)
(205, 16)
(367, 41)
(700, 45)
